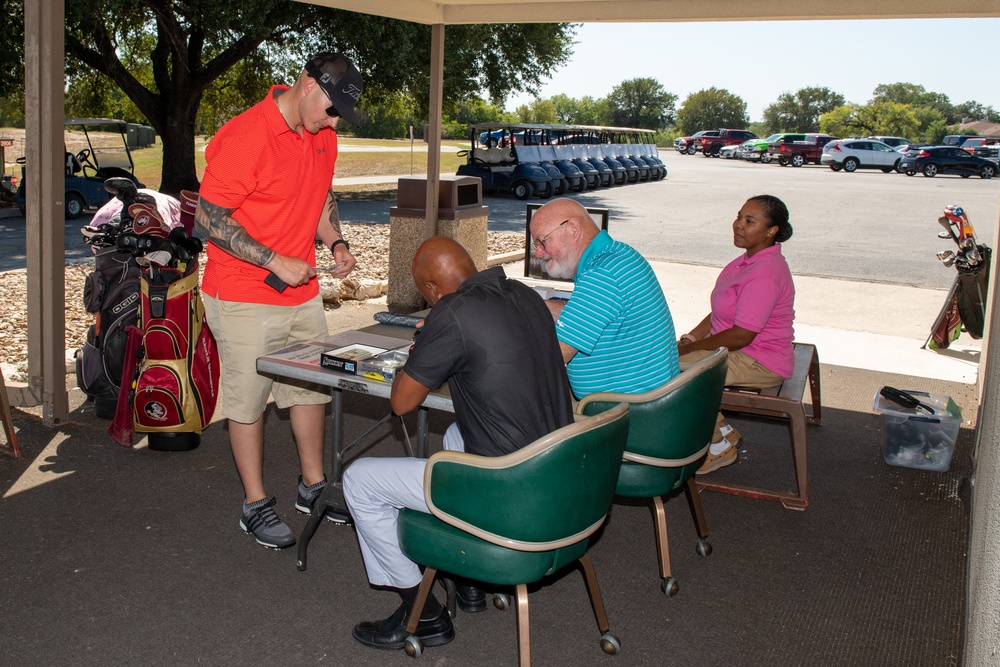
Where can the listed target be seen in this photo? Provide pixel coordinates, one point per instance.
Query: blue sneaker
(259, 519)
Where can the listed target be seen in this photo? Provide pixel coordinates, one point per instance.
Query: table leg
(422, 432)
(333, 493)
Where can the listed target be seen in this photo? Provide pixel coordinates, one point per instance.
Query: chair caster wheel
(414, 647)
(610, 644)
(670, 586)
(703, 548)
(501, 601)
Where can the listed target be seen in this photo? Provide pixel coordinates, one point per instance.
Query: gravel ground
(370, 245)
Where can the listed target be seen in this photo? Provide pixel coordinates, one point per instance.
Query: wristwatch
(333, 246)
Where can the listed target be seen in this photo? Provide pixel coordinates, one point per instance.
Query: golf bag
(166, 359)
(111, 291)
(176, 380)
(966, 300)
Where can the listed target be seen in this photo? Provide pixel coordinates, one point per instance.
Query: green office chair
(670, 429)
(513, 519)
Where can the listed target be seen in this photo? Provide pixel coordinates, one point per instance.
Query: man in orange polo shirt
(266, 197)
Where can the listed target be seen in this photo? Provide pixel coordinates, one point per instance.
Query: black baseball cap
(340, 80)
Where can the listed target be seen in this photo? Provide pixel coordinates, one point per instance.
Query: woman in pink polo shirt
(752, 313)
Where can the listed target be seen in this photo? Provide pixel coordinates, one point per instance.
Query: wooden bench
(784, 401)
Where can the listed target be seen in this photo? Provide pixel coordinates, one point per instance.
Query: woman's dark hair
(777, 216)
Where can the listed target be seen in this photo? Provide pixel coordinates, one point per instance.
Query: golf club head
(123, 189)
(946, 255)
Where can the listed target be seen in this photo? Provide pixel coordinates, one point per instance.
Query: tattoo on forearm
(334, 214)
(218, 226)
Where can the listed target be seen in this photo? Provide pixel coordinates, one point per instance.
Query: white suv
(893, 141)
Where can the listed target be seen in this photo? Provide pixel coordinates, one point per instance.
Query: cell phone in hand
(274, 281)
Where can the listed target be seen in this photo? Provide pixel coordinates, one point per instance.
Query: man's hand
(345, 261)
(291, 270)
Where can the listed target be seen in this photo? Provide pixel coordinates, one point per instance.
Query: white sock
(717, 448)
(725, 430)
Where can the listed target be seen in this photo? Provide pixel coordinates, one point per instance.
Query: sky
(760, 60)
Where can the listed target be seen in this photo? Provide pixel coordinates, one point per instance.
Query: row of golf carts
(547, 160)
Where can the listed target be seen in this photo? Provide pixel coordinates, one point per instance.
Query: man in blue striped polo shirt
(615, 332)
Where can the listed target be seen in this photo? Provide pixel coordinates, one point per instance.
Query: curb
(9, 213)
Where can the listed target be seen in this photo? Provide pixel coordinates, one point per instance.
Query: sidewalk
(870, 326)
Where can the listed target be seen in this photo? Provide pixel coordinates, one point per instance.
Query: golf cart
(96, 150)
(497, 156)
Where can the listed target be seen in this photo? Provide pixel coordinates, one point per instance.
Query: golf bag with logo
(111, 291)
(176, 382)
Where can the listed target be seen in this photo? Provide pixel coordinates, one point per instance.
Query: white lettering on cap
(353, 92)
(326, 78)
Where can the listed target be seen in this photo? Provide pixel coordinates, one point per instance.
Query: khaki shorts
(744, 370)
(245, 331)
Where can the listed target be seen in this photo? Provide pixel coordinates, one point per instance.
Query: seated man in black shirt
(493, 341)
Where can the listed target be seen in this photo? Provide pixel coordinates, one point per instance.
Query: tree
(642, 103)
(539, 111)
(838, 121)
(11, 48)
(875, 118)
(916, 96)
(712, 108)
(167, 56)
(976, 111)
(800, 111)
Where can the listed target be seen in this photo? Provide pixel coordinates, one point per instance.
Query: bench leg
(796, 415)
(797, 430)
(816, 417)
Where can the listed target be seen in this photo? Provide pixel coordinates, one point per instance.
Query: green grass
(148, 162)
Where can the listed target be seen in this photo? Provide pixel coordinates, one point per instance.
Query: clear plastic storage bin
(914, 438)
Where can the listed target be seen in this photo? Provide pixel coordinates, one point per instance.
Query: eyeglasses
(540, 243)
(332, 112)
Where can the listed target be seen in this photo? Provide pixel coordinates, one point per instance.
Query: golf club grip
(275, 282)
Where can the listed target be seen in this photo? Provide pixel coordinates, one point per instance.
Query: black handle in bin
(904, 399)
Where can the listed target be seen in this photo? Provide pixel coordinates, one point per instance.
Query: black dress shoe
(471, 600)
(390, 633)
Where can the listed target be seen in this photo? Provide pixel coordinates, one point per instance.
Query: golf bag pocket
(160, 394)
(93, 292)
(90, 371)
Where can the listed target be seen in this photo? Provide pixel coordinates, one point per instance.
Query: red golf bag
(176, 382)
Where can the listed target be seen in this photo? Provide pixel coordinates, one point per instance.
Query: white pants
(376, 489)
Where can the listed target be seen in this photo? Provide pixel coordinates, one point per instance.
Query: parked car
(687, 144)
(798, 153)
(895, 142)
(710, 145)
(853, 154)
(971, 144)
(957, 139)
(758, 149)
(989, 152)
(735, 151)
(947, 160)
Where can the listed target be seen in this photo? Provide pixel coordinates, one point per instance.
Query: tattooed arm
(328, 231)
(218, 226)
